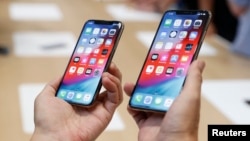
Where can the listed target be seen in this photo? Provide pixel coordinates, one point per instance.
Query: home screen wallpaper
(167, 63)
(87, 63)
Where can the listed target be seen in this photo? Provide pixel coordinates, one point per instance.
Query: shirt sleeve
(243, 3)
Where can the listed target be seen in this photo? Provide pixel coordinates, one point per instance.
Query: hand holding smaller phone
(56, 119)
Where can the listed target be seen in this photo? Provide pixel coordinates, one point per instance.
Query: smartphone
(176, 44)
(91, 57)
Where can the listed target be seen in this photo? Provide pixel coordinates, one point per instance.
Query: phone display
(175, 45)
(92, 55)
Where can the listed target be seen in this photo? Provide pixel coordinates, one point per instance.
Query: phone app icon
(189, 47)
(179, 71)
(88, 30)
(108, 42)
(187, 23)
(173, 34)
(168, 22)
(62, 93)
(138, 98)
(169, 45)
(76, 59)
(100, 41)
(158, 100)
(96, 51)
(79, 96)
(174, 58)
(164, 58)
(169, 70)
(72, 69)
(86, 97)
(80, 49)
(80, 70)
(84, 60)
(84, 40)
(148, 100)
(70, 95)
(168, 102)
(159, 45)
(183, 34)
(88, 71)
(92, 61)
(177, 22)
(112, 32)
(97, 72)
(163, 34)
(104, 31)
(88, 50)
(159, 69)
(154, 56)
(96, 31)
(100, 61)
(105, 51)
(178, 46)
(92, 40)
(197, 23)
(193, 34)
(184, 58)
(150, 68)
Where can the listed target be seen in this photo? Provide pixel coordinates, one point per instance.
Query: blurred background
(37, 38)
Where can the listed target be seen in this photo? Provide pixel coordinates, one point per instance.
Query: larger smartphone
(92, 56)
(176, 44)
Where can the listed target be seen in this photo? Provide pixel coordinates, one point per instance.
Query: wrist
(179, 137)
(45, 136)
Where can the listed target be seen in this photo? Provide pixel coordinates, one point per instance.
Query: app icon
(86, 97)
(148, 100)
(184, 58)
(105, 51)
(138, 98)
(179, 71)
(78, 96)
(169, 70)
(112, 32)
(174, 58)
(183, 34)
(97, 72)
(163, 34)
(173, 34)
(84, 60)
(80, 70)
(177, 22)
(189, 47)
(88, 50)
(150, 68)
(76, 59)
(72, 69)
(168, 102)
(159, 69)
(92, 61)
(84, 40)
(108, 42)
(187, 22)
(169, 45)
(96, 31)
(100, 61)
(88, 30)
(80, 49)
(159, 45)
(96, 51)
(154, 56)
(70, 95)
(88, 71)
(92, 40)
(178, 46)
(164, 58)
(104, 31)
(197, 23)
(168, 22)
(193, 34)
(158, 100)
(100, 41)
(62, 93)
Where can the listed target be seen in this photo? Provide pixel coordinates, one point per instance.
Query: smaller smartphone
(176, 44)
(91, 57)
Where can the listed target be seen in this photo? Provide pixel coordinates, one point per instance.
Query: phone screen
(92, 55)
(175, 45)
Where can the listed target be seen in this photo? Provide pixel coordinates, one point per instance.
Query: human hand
(55, 119)
(181, 122)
